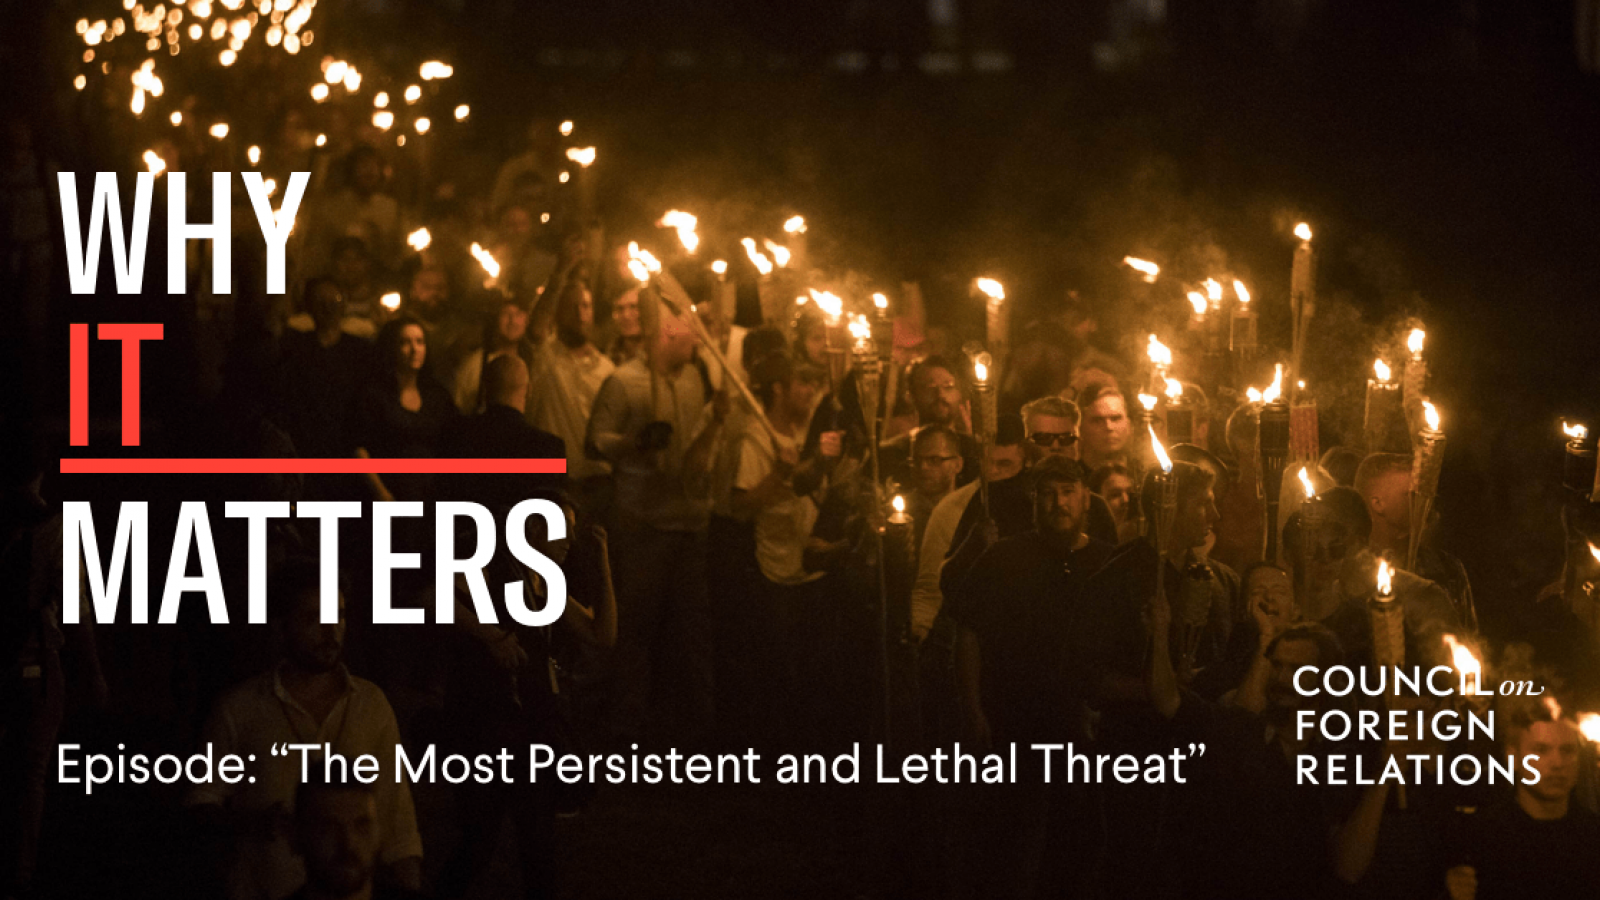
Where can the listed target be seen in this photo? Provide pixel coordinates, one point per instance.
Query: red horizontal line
(335, 466)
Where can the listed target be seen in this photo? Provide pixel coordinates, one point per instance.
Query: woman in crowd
(402, 412)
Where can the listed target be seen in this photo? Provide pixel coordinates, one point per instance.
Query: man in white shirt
(309, 697)
(567, 371)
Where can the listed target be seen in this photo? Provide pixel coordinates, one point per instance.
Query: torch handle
(676, 299)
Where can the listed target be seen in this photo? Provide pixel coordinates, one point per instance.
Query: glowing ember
(1160, 355)
(490, 267)
(780, 253)
(795, 225)
(1575, 431)
(1380, 370)
(419, 239)
(1174, 389)
(1431, 415)
(1415, 340)
(1306, 485)
(992, 289)
(583, 156)
(1198, 301)
(1149, 269)
(1240, 291)
(1274, 390)
(1385, 579)
(1303, 231)
(390, 301)
(1162, 458)
(719, 266)
(757, 258)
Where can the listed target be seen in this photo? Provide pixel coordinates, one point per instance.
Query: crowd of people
(740, 578)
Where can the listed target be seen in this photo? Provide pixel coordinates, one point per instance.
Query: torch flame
(1462, 659)
(484, 259)
(1242, 292)
(583, 156)
(1148, 401)
(1274, 390)
(1253, 394)
(1381, 370)
(899, 503)
(1594, 552)
(684, 223)
(992, 289)
(642, 263)
(219, 130)
(1415, 340)
(390, 301)
(780, 253)
(795, 225)
(1160, 355)
(433, 69)
(1162, 458)
(719, 266)
(566, 128)
(1575, 431)
(1198, 301)
(1554, 708)
(980, 372)
(860, 328)
(757, 258)
(1213, 289)
(1431, 415)
(1385, 578)
(419, 239)
(829, 303)
(155, 163)
(1303, 231)
(881, 301)
(1589, 727)
(1174, 389)
(1150, 270)
(1306, 485)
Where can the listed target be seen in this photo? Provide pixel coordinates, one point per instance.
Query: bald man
(1384, 482)
(501, 432)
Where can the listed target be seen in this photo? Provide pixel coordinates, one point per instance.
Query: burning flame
(583, 156)
(795, 225)
(1274, 390)
(253, 154)
(413, 93)
(1415, 340)
(566, 128)
(1575, 431)
(1306, 485)
(829, 303)
(1213, 289)
(685, 224)
(642, 263)
(1162, 458)
(1160, 355)
(155, 163)
(1589, 727)
(1174, 389)
(980, 372)
(383, 119)
(860, 328)
(484, 259)
(1554, 708)
(1240, 291)
(992, 289)
(433, 69)
(1253, 394)
(1198, 301)
(899, 503)
(462, 112)
(1380, 369)
(419, 239)
(719, 266)
(1431, 415)
(219, 130)
(1150, 270)
(780, 253)
(1385, 578)
(1594, 552)
(757, 258)
(1462, 659)
(1148, 401)
(1303, 231)
(422, 125)
(390, 301)
(880, 301)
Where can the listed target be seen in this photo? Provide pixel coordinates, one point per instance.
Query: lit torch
(1427, 460)
(1578, 464)
(419, 240)
(1383, 411)
(1148, 270)
(491, 268)
(994, 313)
(684, 223)
(795, 228)
(1302, 296)
(1467, 666)
(1242, 327)
(757, 258)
